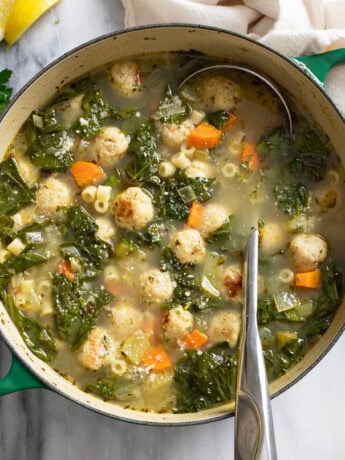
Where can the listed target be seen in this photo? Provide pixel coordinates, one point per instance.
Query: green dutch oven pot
(302, 78)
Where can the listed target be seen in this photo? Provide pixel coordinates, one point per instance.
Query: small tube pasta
(286, 276)
(180, 161)
(89, 193)
(333, 176)
(118, 367)
(197, 117)
(166, 169)
(103, 192)
(188, 151)
(16, 247)
(101, 206)
(230, 170)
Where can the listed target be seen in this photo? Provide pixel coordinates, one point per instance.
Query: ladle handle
(254, 433)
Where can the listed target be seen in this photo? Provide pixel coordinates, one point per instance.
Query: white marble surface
(40, 425)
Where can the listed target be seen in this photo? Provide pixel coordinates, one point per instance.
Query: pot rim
(306, 73)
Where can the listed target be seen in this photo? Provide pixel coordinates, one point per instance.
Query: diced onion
(208, 287)
(286, 300)
(187, 194)
(37, 121)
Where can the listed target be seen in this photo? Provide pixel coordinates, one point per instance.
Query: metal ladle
(254, 432)
(267, 82)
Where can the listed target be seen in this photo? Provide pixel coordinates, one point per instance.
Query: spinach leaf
(14, 193)
(79, 231)
(292, 198)
(77, 308)
(205, 379)
(5, 91)
(277, 143)
(146, 159)
(187, 292)
(18, 264)
(172, 109)
(171, 205)
(38, 338)
(218, 118)
(114, 388)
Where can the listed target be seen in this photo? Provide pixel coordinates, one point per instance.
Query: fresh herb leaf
(77, 308)
(14, 193)
(5, 90)
(205, 379)
(38, 338)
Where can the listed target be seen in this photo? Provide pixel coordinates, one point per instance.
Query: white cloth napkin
(293, 27)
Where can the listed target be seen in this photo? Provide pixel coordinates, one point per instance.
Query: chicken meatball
(156, 287)
(199, 169)
(133, 209)
(307, 251)
(125, 78)
(173, 134)
(126, 318)
(233, 282)
(213, 217)
(51, 195)
(96, 351)
(108, 146)
(272, 237)
(188, 246)
(178, 323)
(220, 93)
(225, 326)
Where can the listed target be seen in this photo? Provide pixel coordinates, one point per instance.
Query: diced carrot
(86, 173)
(308, 279)
(250, 155)
(157, 358)
(204, 136)
(195, 215)
(230, 123)
(115, 287)
(194, 339)
(65, 268)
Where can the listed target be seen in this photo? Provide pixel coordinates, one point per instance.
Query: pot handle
(321, 64)
(18, 378)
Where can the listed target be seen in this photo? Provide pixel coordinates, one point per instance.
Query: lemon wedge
(5, 9)
(22, 15)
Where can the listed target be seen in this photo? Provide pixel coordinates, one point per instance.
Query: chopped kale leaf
(5, 90)
(172, 109)
(218, 118)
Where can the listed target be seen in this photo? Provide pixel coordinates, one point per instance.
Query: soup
(125, 207)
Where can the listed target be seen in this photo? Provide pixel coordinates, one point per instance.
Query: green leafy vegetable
(277, 143)
(205, 379)
(222, 234)
(146, 159)
(188, 291)
(5, 90)
(18, 264)
(171, 205)
(267, 312)
(14, 193)
(172, 109)
(218, 118)
(39, 339)
(114, 180)
(125, 247)
(77, 308)
(79, 231)
(6, 225)
(292, 199)
(114, 388)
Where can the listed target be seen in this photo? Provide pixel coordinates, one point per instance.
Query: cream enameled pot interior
(157, 39)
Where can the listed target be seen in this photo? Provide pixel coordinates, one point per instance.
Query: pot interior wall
(157, 39)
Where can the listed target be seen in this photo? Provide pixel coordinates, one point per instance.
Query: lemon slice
(5, 9)
(23, 14)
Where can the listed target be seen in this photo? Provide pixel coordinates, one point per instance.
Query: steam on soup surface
(125, 209)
